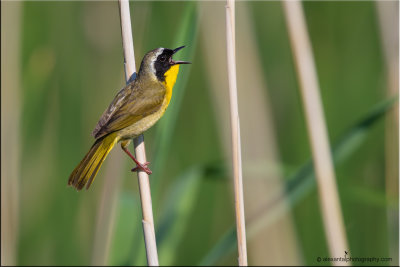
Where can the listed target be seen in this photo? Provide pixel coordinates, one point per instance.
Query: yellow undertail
(87, 169)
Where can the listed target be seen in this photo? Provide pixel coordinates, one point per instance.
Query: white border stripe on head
(159, 52)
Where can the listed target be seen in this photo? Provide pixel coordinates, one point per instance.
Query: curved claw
(142, 167)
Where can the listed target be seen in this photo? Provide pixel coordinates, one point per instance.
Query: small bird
(136, 107)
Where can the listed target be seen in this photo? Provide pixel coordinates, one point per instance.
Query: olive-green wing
(118, 101)
(128, 107)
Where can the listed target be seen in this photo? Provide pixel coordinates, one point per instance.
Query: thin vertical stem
(317, 132)
(236, 150)
(388, 15)
(10, 133)
(143, 178)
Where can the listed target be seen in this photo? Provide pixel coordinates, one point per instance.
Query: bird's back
(133, 103)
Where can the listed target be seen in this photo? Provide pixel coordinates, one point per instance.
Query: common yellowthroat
(137, 107)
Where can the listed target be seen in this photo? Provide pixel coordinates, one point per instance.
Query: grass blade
(177, 209)
(123, 236)
(301, 182)
(187, 35)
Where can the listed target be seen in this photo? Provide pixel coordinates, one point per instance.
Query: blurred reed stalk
(235, 126)
(260, 150)
(317, 132)
(10, 133)
(388, 15)
(143, 178)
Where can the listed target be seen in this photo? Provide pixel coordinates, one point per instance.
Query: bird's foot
(142, 167)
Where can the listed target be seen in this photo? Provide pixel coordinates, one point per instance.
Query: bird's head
(159, 61)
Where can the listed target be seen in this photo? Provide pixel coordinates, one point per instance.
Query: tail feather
(87, 169)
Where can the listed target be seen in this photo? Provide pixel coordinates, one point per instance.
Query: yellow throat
(170, 79)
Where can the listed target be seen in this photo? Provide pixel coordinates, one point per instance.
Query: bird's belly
(142, 125)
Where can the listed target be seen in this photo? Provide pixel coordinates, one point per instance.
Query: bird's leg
(140, 166)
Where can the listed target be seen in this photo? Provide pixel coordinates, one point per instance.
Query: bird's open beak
(179, 62)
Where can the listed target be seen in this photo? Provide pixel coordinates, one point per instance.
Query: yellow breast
(170, 79)
(148, 121)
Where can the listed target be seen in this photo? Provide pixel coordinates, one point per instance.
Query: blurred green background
(62, 64)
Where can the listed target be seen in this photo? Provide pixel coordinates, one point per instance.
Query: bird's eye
(163, 58)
